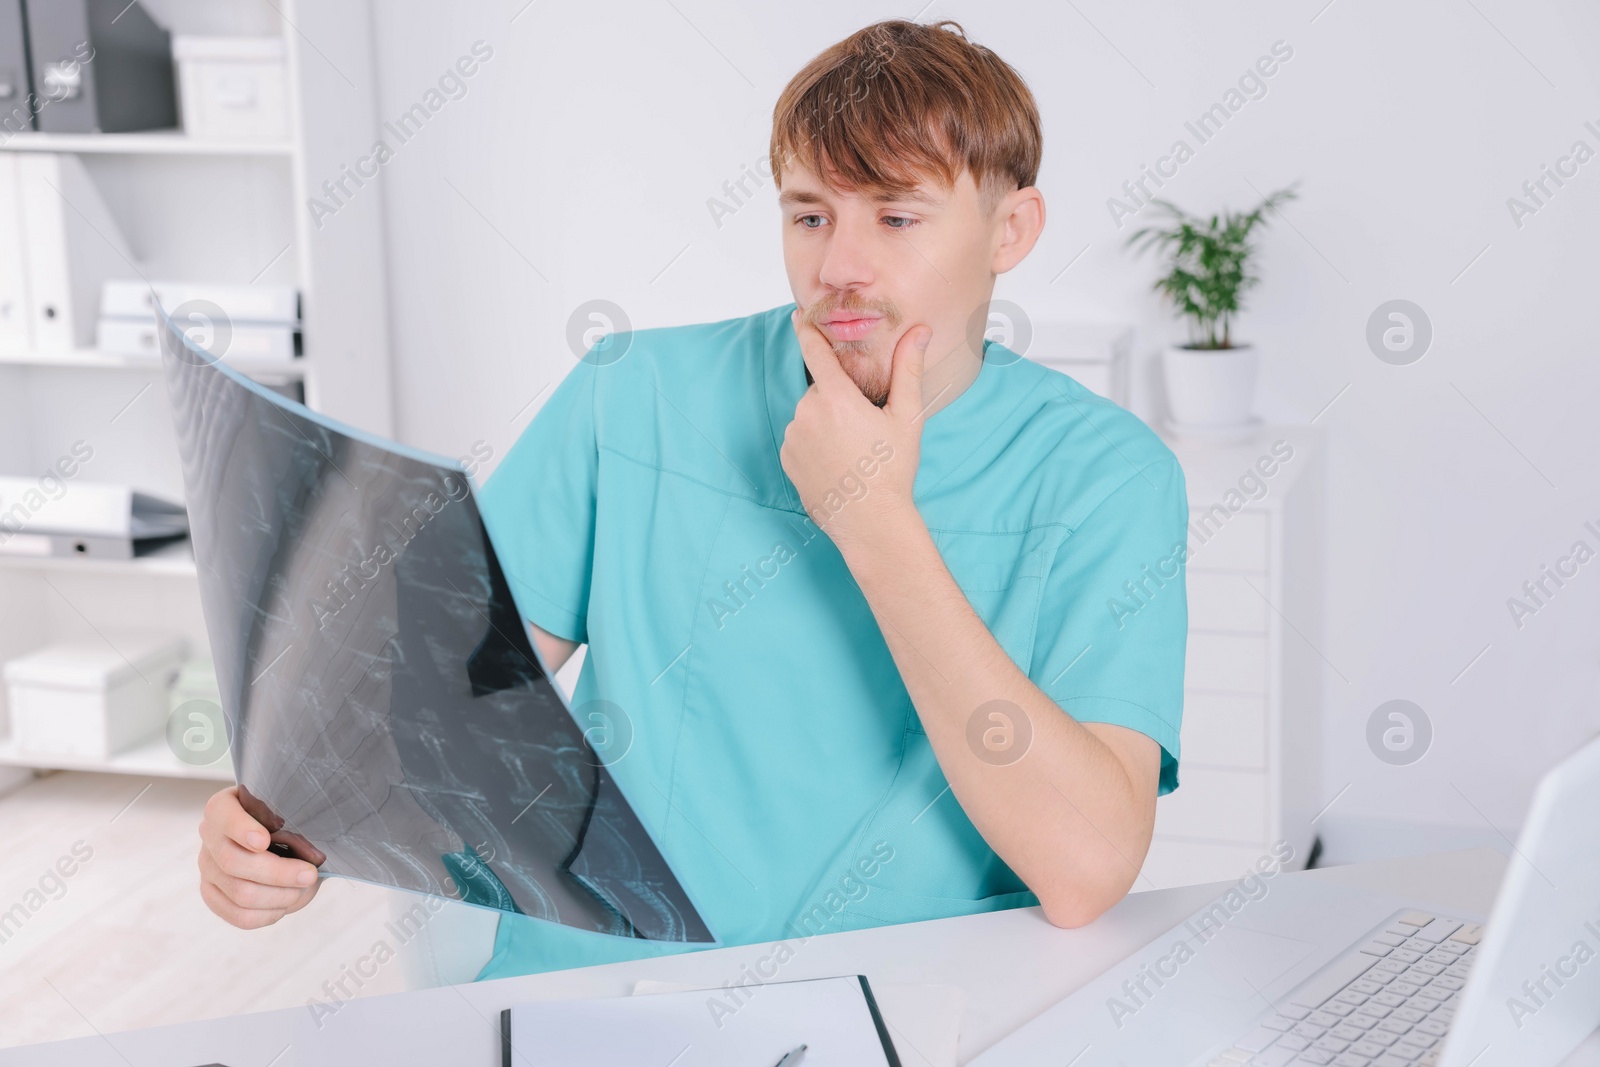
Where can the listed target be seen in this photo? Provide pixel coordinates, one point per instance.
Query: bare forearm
(1057, 802)
(555, 651)
(1072, 817)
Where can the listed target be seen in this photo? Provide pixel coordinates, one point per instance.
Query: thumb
(905, 374)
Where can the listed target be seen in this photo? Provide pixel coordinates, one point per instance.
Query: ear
(1019, 220)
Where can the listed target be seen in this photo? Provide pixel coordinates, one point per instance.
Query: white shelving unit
(232, 212)
(152, 759)
(153, 143)
(94, 358)
(1250, 767)
(173, 561)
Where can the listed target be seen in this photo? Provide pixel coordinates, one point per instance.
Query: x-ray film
(388, 716)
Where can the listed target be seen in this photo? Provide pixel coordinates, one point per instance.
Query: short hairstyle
(898, 102)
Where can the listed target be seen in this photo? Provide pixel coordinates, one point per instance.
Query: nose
(847, 264)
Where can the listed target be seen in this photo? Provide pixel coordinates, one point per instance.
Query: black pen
(791, 1057)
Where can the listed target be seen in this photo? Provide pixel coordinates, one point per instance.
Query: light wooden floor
(129, 943)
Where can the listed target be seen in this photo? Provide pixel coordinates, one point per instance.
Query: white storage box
(258, 303)
(233, 88)
(197, 680)
(263, 321)
(89, 700)
(246, 340)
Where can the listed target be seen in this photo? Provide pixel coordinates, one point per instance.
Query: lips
(851, 328)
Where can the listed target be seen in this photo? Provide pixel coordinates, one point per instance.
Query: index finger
(228, 817)
(819, 355)
(262, 868)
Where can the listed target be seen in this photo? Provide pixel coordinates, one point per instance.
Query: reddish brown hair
(899, 102)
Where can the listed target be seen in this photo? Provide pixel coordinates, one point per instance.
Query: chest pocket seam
(688, 667)
(1041, 543)
(721, 490)
(986, 578)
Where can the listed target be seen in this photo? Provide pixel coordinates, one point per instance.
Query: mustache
(818, 311)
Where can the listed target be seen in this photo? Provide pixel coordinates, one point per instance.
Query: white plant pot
(1211, 390)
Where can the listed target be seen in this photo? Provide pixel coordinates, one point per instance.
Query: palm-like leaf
(1208, 264)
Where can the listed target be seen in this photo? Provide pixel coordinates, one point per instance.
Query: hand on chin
(849, 458)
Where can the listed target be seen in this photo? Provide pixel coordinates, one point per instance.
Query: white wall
(584, 153)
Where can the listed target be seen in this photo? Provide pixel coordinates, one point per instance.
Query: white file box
(91, 700)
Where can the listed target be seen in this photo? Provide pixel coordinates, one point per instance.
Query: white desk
(1012, 965)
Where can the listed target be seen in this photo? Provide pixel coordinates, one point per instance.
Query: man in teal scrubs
(853, 580)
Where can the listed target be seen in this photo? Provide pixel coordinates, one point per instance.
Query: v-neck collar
(784, 379)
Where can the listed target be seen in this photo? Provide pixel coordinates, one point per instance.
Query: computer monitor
(1534, 993)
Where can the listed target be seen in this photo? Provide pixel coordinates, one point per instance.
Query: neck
(947, 376)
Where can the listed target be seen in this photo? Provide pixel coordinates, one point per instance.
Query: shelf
(172, 561)
(92, 359)
(162, 143)
(153, 758)
(171, 192)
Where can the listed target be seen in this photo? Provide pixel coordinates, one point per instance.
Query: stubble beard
(861, 360)
(866, 368)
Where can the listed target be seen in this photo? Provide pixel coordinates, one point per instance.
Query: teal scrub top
(741, 690)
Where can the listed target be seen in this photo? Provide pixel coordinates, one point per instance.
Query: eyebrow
(806, 197)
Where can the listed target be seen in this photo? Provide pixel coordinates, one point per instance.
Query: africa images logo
(1399, 732)
(1198, 931)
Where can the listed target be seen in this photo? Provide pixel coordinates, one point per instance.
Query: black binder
(99, 66)
(16, 112)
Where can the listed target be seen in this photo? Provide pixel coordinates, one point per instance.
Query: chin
(870, 373)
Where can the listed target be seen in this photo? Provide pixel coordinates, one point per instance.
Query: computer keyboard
(1387, 1002)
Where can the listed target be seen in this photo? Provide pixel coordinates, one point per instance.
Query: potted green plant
(1211, 380)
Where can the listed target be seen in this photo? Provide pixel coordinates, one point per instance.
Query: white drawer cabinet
(1251, 754)
(1223, 730)
(1228, 663)
(1216, 805)
(1220, 540)
(1227, 601)
(1191, 862)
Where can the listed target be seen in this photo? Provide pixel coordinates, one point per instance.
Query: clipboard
(740, 1025)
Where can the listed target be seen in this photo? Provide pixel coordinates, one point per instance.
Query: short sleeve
(1114, 615)
(539, 508)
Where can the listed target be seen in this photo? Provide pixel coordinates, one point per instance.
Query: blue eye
(803, 221)
(907, 223)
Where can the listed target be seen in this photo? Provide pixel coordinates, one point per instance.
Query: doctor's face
(866, 267)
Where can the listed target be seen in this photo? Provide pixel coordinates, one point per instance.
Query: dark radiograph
(388, 716)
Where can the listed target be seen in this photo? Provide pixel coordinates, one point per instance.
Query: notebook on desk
(837, 1019)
